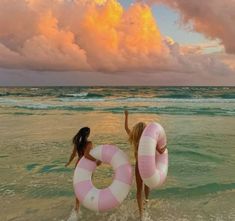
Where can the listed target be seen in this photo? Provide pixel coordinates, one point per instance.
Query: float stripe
(81, 175)
(145, 142)
(107, 200)
(87, 164)
(82, 189)
(152, 131)
(123, 174)
(108, 151)
(162, 158)
(153, 181)
(92, 198)
(119, 159)
(147, 166)
(119, 190)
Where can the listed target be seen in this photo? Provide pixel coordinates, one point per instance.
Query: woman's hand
(98, 162)
(67, 164)
(73, 155)
(162, 150)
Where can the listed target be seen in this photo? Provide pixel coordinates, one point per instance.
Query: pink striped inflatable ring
(111, 197)
(152, 165)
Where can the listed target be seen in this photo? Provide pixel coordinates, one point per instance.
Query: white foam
(73, 216)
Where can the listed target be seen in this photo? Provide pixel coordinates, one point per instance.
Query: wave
(83, 94)
(176, 110)
(94, 99)
(75, 99)
(53, 107)
(54, 169)
(47, 192)
(31, 166)
(182, 100)
(197, 156)
(123, 92)
(145, 100)
(228, 96)
(119, 110)
(23, 113)
(170, 192)
(211, 188)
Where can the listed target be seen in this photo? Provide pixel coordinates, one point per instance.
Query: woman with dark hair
(81, 147)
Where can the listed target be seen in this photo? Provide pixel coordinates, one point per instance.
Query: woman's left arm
(73, 154)
(128, 131)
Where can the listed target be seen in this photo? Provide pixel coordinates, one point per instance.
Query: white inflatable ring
(152, 165)
(111, 197)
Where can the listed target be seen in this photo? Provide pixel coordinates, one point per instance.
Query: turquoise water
(37, 124)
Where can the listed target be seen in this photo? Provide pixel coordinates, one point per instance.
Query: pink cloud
(214, 18)
(64, 35)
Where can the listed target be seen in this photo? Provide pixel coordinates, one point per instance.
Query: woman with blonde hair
(134, 138)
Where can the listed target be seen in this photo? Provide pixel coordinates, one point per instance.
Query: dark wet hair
(80, 140)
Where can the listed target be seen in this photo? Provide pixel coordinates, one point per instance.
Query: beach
(36, 130)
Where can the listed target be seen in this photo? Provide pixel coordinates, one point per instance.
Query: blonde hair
(136, 132)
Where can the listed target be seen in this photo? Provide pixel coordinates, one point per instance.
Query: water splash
(74, 216)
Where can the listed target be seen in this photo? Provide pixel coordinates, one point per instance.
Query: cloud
(201, 48)
(214, 18)
(94, 35)
(191, 59)
(228, 59)
(78, 35)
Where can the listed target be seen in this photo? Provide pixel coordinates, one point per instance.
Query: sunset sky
(110, 42)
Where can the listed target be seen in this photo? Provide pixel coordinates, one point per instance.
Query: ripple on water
(31, 166)
(53, 168)
(196, 156)
(196, 191)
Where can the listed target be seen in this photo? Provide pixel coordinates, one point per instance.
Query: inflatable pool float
(152, 165)
(112, 196)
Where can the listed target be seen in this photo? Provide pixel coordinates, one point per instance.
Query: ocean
(36, 130)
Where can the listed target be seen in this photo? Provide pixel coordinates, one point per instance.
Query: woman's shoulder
(89, 144)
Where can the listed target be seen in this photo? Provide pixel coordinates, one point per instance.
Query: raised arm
(73, 155)
(126, 123)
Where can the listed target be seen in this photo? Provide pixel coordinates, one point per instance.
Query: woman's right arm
(126, 123)
(88, 156)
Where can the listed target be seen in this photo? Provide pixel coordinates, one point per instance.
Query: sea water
(37, 126)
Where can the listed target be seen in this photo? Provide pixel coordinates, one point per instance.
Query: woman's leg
(77, 203)
(139, 185)
(146, 192)
(77, 206)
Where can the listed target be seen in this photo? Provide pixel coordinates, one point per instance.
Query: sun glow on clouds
(92, 35)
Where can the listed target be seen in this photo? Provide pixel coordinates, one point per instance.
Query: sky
(111, 42)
